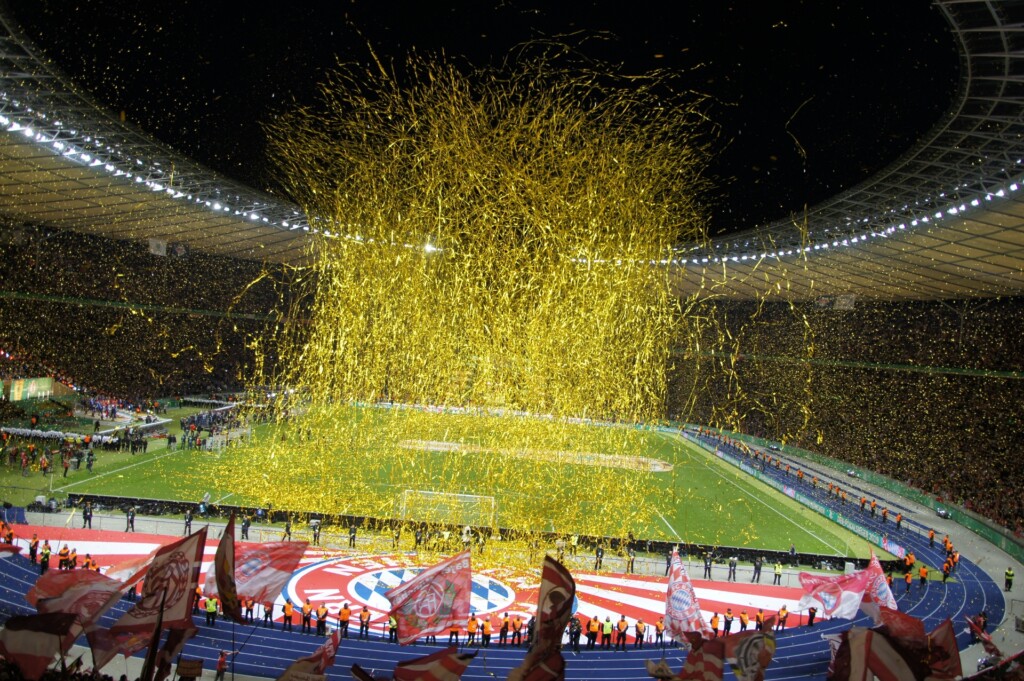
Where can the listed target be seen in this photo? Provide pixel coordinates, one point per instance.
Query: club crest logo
(175, 578)
(364, 581)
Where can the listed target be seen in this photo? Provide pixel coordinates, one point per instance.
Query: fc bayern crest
(364, 581)
(680, 605)
(174, 577)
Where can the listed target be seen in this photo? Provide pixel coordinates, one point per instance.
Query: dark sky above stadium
(811, 96)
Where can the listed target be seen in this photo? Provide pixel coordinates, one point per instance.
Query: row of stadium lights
(71, 152)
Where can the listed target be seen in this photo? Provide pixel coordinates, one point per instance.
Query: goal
(448, 508)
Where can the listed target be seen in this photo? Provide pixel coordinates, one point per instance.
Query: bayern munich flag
(682, 611)
(433, 600)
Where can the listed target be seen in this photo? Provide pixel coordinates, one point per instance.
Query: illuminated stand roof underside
(946, 220)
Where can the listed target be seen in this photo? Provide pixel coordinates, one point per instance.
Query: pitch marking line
(116, 470)
(714, 469)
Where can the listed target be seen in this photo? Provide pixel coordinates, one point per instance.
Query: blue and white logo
(489, 595)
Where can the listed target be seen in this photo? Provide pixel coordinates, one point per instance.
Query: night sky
(853, 84)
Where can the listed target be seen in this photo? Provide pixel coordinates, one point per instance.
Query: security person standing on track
(778, 573)
(211, 611)
(606, 633)
(1009, 579)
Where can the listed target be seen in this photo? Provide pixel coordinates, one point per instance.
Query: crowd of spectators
(925, 393)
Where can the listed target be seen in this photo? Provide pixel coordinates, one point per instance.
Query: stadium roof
(944, 221)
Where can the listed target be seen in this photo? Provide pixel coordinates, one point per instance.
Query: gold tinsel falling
(492, 241)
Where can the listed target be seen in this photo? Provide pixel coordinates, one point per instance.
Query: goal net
(448, 508)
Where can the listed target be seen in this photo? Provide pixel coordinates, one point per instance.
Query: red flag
(986, 640)
(55, 583)
(261, 570)
(874, 652)
(224, 569)
(945, 655)
(88, 600)
(444, 665)
(175, 569)
(149, 666)
(317, 663)
(834, 641)
(750, 652)
(544, 662)
(838, 596)
(175, 643)
(303, 665)
(433, 600)
(706, 659)
(32, 641)
(130, 571)
(682, 611)
(327, 652)
(877, 594)
(906, 628)
(8, 550)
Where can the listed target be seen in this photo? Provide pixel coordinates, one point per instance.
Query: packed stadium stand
(899, 320)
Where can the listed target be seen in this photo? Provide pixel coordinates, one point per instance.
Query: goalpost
(448, 508)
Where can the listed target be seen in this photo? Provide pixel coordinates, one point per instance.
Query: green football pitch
(692, 497)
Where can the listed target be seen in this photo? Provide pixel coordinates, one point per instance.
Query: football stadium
(480, 387)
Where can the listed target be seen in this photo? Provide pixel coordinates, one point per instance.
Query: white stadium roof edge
(945, 220)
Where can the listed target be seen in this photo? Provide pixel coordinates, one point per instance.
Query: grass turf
(701, 500)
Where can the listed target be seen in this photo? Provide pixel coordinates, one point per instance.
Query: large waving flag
(682, 611)
(877, 595)
(224, 569)
(54, 584)
(87, 595)
(261, 570)
(986, 640)
(903, 627)
(175, 643)
(317, 663)
(838, 596)
(174, 572)
(149, 666)
(873, 651)
(433, 600)
(945, 655)
(706, 659)
(750, 652)
(32, 641)
(444, 665)
(130, 571)
(544, 662)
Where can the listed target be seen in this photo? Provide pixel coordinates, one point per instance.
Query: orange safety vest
(594, 627)
(289, 609)
(364, 616)
(622, 625)
(344, 615)
(471, 625)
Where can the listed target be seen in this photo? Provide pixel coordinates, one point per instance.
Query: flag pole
(233, 648)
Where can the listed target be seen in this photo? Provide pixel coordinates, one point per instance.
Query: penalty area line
(116, 470)
(668, 525)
